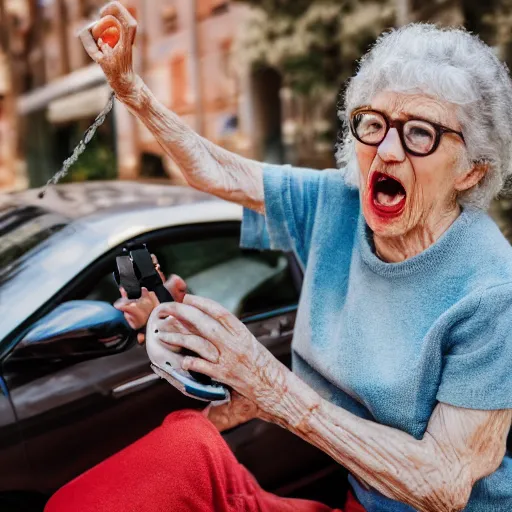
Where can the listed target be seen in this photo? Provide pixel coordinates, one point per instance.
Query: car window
(23, 229)
(243, 281)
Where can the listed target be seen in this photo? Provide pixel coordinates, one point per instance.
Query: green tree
(314, 46)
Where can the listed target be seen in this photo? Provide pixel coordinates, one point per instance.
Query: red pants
(184, 465)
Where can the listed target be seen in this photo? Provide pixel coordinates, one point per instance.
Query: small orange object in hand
(106, 30)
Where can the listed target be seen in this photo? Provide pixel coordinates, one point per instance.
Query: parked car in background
(75, 387)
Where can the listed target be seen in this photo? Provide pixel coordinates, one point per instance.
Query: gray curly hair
(451, 65)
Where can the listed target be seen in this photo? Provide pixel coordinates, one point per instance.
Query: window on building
(48, 19)
(179, 80)
(225, 56)
(63, 14)
(169, 19)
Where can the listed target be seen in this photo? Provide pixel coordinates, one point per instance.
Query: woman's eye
(372, 126)
(418, 132)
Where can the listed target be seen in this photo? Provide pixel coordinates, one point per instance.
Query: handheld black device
(134, 270)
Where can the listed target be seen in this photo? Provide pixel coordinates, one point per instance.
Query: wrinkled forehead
(404, 106)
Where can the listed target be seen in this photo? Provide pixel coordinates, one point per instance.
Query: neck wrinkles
(414, 242)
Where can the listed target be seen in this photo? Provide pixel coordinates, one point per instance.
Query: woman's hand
(227, 350)
(116, 62)
(137, 311)
(237, 411)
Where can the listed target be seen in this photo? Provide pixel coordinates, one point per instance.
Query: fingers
(157, 267)
(213, 310)
(197, 322)
(133, 320)
(171, 324)
(141, 338)
(90, 45)
(162, 311)
(105, 48)
(118, 11)
(124, 304)
(196, 364)
(177, 288)
(146, 299)
(200, 346)
(122, 14)
(137, 311)
(208, 306)
(121, 304)
(103, 24)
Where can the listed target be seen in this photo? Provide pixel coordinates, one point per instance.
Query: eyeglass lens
(371, 128)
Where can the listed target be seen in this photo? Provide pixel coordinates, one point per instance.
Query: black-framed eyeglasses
(419, 137)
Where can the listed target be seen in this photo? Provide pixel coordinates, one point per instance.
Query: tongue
(388, 200)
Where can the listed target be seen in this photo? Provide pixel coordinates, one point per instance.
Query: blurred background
(260, 77)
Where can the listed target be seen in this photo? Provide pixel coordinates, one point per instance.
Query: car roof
(80, 200)
(103, 216)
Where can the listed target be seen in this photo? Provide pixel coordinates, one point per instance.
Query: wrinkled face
(401, 192)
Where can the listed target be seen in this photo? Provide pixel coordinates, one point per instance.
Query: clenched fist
(114, 57)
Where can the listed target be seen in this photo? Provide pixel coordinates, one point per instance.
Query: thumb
(177, 287)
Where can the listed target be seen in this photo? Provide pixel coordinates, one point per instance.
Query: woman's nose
(391, 149)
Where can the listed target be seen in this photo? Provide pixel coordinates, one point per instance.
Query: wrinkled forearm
(205, 165)
(402, 468)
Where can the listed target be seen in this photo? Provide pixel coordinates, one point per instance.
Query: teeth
(386, 200)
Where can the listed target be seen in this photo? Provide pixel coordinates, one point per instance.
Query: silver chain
(80, 147)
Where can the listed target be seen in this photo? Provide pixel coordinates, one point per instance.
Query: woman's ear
(472, 177)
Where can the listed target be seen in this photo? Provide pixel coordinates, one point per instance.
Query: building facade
(50, 91)
(182, 52)
(14, 20)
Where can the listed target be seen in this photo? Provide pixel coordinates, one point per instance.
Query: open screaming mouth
(388, 194)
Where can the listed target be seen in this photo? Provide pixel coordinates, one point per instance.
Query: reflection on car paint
(3, 387)
(125, 234)
(56, 261)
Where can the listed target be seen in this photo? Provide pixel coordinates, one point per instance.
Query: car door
(74, 415)
(14, 462)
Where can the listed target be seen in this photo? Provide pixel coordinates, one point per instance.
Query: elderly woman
(403, 345)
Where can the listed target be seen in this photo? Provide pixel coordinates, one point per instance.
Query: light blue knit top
(388, 341)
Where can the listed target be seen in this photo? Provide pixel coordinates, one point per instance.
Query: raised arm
(205, 165)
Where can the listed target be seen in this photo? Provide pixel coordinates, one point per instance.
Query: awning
(79, 105)
(83, 78)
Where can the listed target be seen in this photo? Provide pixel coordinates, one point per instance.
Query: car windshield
(24, 228)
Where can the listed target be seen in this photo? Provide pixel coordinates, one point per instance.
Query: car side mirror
(75, 330)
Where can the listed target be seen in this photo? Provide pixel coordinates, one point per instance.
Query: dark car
(75, 387)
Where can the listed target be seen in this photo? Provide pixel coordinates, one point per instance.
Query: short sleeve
(477, 370)
(291, 199)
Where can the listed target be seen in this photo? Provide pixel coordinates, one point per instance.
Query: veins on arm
(205, 165)
(434, 474)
